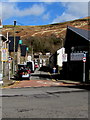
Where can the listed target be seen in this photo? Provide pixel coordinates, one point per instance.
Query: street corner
(37, 83)
(10, 84)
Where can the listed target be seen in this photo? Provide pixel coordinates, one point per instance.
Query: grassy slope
(44, 38)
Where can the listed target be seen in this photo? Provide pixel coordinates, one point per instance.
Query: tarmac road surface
(44, 102)
(41, 97)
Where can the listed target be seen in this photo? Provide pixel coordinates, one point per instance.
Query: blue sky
(41, 13)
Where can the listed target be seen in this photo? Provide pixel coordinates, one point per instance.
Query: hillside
(46, 38)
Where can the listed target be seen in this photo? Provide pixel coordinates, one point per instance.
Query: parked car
(23, 72)
(36, 66)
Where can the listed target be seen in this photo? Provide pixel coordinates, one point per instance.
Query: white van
(30, 64)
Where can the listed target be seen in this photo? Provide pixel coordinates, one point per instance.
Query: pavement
(43, 83)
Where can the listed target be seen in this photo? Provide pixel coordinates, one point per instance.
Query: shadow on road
(82, 86)
(45, 69)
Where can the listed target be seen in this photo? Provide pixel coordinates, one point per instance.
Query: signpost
(9, 62)
(84, 60)
(79, 57)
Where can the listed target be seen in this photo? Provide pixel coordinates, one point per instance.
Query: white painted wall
(29, 58)
(60, 52)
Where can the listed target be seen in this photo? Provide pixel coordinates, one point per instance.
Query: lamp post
(14, 49)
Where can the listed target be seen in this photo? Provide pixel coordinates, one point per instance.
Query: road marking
(49, 73)
(17, 81)
(51, 76)
(53, 80)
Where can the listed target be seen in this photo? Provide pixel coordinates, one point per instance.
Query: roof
(23, 50)
(11, 43)
(82, 32)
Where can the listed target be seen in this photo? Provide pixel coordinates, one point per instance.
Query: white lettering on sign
(76, 56)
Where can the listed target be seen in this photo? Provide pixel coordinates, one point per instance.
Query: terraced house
(20, 55)
(3, 54)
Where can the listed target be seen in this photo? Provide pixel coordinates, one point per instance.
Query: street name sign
(76, 56)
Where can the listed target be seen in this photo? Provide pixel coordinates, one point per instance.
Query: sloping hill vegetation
(45, 38)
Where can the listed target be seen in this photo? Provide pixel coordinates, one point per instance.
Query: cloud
(14, 11)
(73, 10)
(34, 10)
(0, 10)
(64, 17)
(46, 16)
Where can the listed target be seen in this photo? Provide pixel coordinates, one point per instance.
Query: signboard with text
(76, 56)
(64, 57)
(4, 54)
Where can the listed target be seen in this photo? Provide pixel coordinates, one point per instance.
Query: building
(13, 52)
(3, 54)
(60, 54)
(56, 59)
(77, 47)
(53, 62)
(20, 55)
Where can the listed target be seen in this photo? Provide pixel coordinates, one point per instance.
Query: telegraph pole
(14, 49)
(32, 52)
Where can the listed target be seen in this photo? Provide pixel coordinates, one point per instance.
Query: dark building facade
(11, 43)
(23, 50)
(77, 46)
(53, 62)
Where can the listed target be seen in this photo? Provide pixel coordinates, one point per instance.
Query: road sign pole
(9, 71)
(83, 71)
(84, 60)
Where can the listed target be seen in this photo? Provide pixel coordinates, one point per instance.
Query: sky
(41, 13)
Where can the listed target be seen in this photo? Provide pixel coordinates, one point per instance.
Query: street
(39, 79)
(44, 102)
(44, 60)
(41, 97)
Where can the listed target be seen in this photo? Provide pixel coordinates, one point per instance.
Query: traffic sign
(84, 59)
(64, 57)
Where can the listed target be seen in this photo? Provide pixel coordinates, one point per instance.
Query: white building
(60, 54)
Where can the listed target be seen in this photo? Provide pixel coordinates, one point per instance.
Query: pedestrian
(54, 70)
